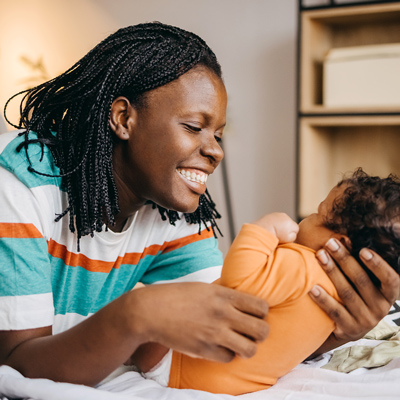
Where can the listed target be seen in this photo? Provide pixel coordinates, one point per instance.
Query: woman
(122, 141)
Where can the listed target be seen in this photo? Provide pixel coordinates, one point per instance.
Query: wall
(255, 41)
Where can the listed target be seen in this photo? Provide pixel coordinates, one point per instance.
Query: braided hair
(368, 212)
(76, 106)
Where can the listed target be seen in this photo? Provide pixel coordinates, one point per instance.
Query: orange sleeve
(247, 256)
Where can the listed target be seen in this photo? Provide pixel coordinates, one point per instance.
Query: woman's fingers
(350, 298)
(208, 321)
(248, 304)
(378, 300)
(251, 328)
(352, 269)
(244, 348)
(346, 325)
(363, 304)
(390, 280)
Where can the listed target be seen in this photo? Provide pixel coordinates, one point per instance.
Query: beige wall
(255, 41)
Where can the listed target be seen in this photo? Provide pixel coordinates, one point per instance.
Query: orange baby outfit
(282, 275)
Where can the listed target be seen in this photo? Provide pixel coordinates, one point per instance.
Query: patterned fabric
(393, 317)
(45, 281)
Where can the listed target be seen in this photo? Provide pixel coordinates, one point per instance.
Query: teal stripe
(19, 276)
(18, 164)
(77, 290)
(183, 261)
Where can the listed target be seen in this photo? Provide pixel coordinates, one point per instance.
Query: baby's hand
(280, 225)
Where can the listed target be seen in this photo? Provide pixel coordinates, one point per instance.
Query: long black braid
(76, 106)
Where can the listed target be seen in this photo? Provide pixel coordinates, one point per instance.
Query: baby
(274, 258)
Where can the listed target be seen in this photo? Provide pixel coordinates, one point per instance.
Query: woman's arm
(362, 308)
(205, 320)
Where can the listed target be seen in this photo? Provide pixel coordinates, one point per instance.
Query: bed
(308, 381)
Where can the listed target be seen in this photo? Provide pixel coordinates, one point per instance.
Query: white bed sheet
(305, 382)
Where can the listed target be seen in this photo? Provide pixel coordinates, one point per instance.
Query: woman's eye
(192, 128)
(218, 139)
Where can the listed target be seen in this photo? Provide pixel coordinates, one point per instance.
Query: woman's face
(173, 143)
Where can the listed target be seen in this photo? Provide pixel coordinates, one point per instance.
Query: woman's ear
(122, 117)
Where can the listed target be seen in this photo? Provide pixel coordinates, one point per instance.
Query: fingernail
(331, 244)
(315, 291)
(366, 254)
(322, 257)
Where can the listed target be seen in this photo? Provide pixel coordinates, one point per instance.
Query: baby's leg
(147, 356)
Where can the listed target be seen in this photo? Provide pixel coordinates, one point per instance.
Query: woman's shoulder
(23, 159)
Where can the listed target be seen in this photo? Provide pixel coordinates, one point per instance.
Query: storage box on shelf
(326, 29)
(366, 76)
(337, 138)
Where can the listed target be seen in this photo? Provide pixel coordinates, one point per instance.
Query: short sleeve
(26, 299)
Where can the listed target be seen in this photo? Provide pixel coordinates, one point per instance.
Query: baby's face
(312, 232)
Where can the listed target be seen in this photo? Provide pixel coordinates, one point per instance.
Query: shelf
(327, 4)
(325, 29)
(320, 109)
(332, 146)
(333, 141)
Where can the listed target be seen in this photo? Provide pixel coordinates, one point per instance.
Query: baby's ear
(346, 241)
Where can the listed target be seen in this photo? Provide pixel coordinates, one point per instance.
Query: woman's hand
(362, 308)
(205, 320)
(199, 319)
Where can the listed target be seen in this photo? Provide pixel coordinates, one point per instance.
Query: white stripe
(108, 245)
(40, 204)
(27, 312)
(64, 322)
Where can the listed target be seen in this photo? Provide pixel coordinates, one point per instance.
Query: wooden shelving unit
(333, 141)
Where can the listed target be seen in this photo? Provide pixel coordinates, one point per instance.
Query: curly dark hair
(76, 106)
(368, 213)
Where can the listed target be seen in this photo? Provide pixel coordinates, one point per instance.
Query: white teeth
(192, 176)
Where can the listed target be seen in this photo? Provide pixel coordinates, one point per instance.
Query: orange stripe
(19, 230)
(177, 243)
(78, 259)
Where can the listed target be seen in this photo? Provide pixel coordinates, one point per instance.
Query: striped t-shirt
(45, 281)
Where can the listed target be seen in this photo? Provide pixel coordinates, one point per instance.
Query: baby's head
(361, 211)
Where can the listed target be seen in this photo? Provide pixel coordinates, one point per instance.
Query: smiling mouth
(193, 176)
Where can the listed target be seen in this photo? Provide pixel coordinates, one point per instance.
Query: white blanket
(305, 382)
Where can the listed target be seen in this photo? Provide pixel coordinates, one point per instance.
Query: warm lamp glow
(31, 53)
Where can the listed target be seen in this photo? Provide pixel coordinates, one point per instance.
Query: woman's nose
(212, 149)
